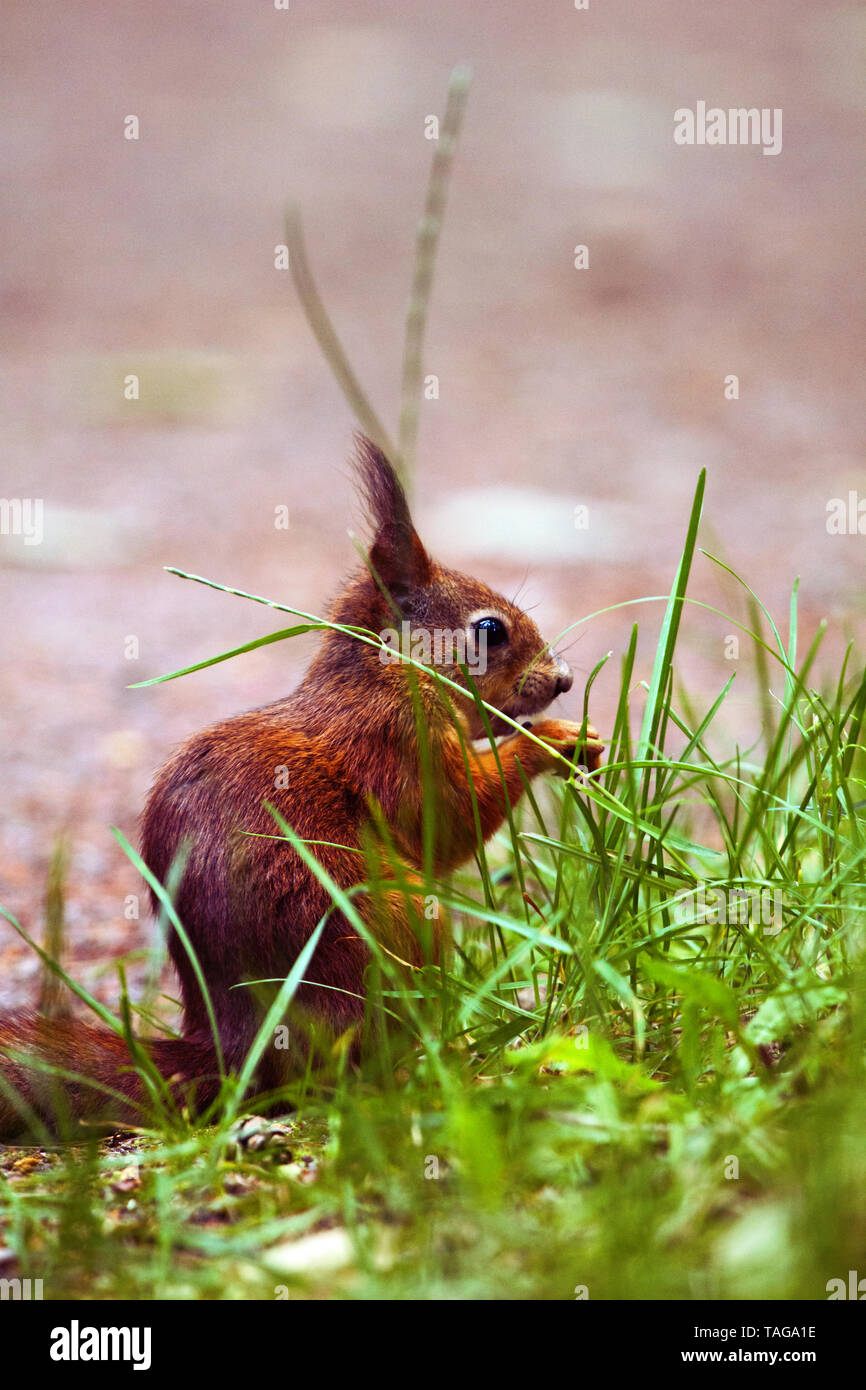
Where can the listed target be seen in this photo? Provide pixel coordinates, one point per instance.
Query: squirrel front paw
(564, 736)
(256, 1139)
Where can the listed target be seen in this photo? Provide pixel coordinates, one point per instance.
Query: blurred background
(559, 388)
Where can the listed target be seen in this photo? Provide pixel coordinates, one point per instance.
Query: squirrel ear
(397, 555)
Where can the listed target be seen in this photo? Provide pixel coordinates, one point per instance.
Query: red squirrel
(345, 742)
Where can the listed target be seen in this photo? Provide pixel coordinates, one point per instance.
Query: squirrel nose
(565, 680)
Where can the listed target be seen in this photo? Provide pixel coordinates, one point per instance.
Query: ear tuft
(396, 554)
(379, 485)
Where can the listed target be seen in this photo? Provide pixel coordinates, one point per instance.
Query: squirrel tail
(109, 1088)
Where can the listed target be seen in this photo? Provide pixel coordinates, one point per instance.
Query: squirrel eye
(495, 630)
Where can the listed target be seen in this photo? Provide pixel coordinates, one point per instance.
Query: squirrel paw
(257, 1139)
(565, 737)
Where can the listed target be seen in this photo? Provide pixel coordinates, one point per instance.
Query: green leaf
(236, 651)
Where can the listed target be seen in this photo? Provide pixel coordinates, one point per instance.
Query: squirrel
(340, 755)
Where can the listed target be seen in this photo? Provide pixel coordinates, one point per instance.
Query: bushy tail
(97, 1056)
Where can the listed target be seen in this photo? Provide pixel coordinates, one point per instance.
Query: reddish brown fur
(347, 736)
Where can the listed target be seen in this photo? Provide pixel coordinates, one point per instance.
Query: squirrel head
(446, 619)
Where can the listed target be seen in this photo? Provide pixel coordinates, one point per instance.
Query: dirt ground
(558, 387)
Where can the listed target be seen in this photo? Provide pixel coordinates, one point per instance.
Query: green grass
(598, 1090)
